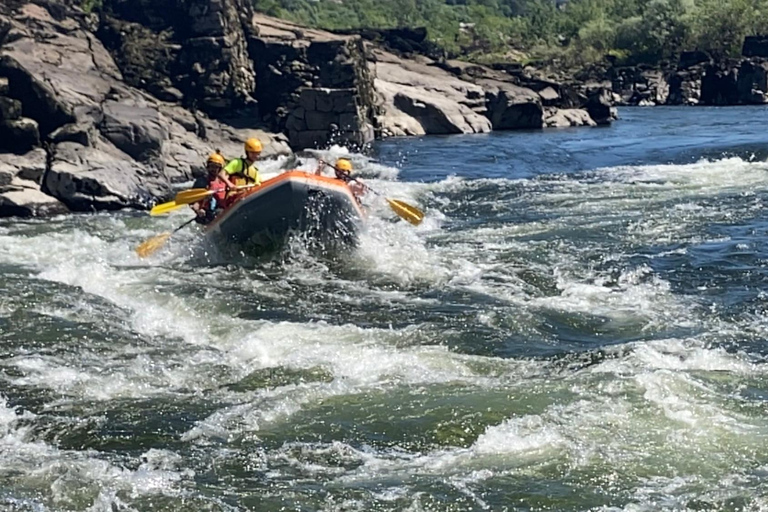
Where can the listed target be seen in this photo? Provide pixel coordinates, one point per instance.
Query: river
(579, 324)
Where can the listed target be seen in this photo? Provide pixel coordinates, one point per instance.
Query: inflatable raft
(323, 209)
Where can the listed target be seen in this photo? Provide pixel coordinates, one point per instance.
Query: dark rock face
(640, 85)
(755, 46)
(193, 51)
(699, 80)
(752, 82)
(209, 55)
(735, 83)
(718, 85)
(10, 109)
(145, 58)
(600, 107)
(107, 145)
(314, 85)
(512, 107)
(19, 135)
(685, 86)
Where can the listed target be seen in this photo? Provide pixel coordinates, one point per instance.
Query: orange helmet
(216, 158)
(344, 165)
(253, 145)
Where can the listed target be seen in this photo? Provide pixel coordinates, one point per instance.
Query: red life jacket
(220, 194)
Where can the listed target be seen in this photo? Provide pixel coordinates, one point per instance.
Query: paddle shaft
(343, 176)
(190, 221)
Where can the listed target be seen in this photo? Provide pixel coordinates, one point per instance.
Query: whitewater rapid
(581, 341)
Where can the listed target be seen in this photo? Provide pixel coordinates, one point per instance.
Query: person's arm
(358, 188)
(320, 166)
(198, 208)
(224, 176)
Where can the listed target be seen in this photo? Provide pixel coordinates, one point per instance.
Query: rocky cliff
(77, 135)
(313, 85)
(697, 79)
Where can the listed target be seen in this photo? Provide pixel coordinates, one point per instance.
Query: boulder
(73, 132)
(600, 107)
(29, 202)
(414, 90)
(39, 99)
(29, 167)
(511, 107)
(20, 193)
(100, 178)
(562, 118)
(19, 135)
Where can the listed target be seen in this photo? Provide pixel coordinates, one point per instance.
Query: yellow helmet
(216, 158)
(344, 165)
(253, 145)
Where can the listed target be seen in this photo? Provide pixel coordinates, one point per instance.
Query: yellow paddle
(404, 210)
(192, 195)
(154, 244)
(185, 197)
(401, 208)
(168, 207)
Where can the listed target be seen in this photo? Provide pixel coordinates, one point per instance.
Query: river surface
(579, 324)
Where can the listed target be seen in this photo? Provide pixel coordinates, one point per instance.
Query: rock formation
(419, 98)
(313, 85)
(698, 80)
(422, 96)
(106, 144)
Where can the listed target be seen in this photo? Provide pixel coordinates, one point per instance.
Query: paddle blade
(192, 195)
(168, 207)
(152, 245)
(406, 211)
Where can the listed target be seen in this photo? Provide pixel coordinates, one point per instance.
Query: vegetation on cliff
(575, 31)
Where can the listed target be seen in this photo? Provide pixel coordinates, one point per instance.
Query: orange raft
(323, 209)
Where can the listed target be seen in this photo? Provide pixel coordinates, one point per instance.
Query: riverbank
(108, 110)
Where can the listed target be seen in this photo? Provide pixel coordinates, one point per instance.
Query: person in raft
(207, 209)
(343, 170)
(241, 172)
